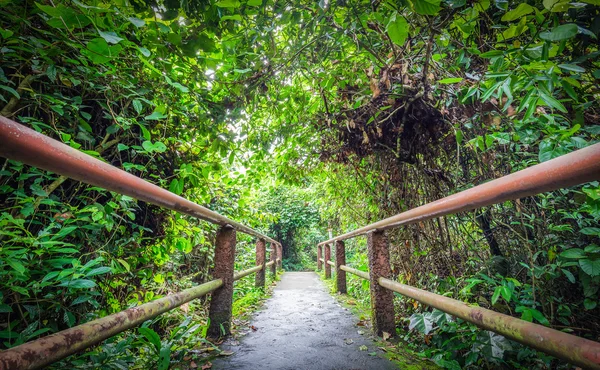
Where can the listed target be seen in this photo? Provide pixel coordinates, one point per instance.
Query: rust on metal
(25, 145)
(327, 260)
(273, 258)
(261, 260)
(319, 257)
(361, 274)
(570, 169)
(243, 274)
(221, 300)
(340, 259)
(382, 300)
(46, 350)
(576, 350)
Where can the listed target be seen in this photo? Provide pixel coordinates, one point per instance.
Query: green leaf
(518, 12)
(16, 265)
(563, 32)
(98, 271)
(110, 37)
(152, 337)
(11, 90)
(228, 4)
(421, 323)
(137, 22)
(426, 7)
(137, 105)
(572, 67)
(569, 275)
(164, 358)
(254, 3)
(78, 284)
(590, 231)
(156, 147)
(397, 29)
(235, 17)
(156, 115)
(496, 295)
(6, 33)
(590, 266)
(551, 102)
(539, 316)
(100, 52)
(453, 80)
(176, 186)
(573, 253)
(557, 5)
(590, 304)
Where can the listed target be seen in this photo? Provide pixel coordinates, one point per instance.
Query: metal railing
(572, 169)
(22, 144)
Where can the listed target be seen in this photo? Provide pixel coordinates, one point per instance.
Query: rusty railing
(22, 144)
(572, 169)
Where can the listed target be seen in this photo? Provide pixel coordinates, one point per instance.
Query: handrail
(242, 274)
(361, 274)
(25, 145)
(46, 350)
(331, 263)
(570, 169)
(576, 350)
(54, 347)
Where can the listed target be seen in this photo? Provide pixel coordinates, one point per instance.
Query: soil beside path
(303, 327)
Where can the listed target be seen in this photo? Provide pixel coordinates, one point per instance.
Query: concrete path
(303, 327)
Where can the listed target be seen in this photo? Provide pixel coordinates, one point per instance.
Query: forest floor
(303, 327)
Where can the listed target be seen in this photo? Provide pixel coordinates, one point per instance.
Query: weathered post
(220, 303)
(273, 258)
(340, 259)
(261, 260)
(280, 255)
(327, 258)
(319, 256)
(382, 300)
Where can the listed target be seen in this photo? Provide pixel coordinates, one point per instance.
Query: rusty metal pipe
(270, 263)
(243, 274)
(576, 350)
(25, 145)
(322, 260)
(46, 350)
(570, 169)
(331, 263)
(361, 274)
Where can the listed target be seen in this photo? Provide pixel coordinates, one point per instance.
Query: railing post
(279, 255)
(319, 256)
(340, 259)
(261, 260)
(220, 303)
(273, 258)
(382, 300)
(327, 258)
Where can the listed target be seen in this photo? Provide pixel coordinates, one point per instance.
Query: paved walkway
(303, 327)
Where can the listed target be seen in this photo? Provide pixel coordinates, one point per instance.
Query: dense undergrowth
(295, 117)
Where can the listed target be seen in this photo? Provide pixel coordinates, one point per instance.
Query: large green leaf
(426, 7)
(560, 33)
(421, 323)
(518, 12)
(397, 29)
(590, 266)
(100, 52)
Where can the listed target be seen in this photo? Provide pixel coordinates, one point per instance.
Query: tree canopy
(294, 117)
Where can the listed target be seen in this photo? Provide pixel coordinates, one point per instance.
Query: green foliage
(296, 118)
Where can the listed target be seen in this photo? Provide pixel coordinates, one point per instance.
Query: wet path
(302, 327)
